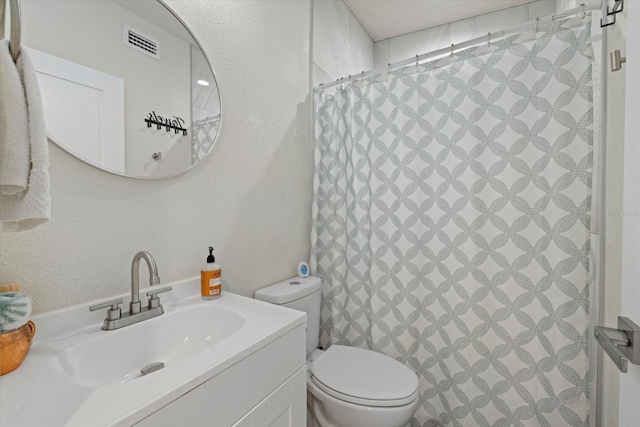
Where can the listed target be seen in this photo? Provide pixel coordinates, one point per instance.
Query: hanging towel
(14, 129)
(32, 206)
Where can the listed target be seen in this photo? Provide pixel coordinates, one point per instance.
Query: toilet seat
(364, 377)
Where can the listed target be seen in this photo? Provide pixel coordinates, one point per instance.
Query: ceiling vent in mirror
(141, 42)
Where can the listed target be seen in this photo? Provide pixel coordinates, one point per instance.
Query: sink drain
(151, 367)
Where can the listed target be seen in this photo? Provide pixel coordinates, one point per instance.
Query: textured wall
(250, 198)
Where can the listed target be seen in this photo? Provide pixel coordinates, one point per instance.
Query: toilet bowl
(346, 386)
(352, 387)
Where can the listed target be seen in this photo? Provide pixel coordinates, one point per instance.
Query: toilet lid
(364, 377)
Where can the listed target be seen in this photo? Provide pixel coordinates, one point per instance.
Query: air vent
(141, 42)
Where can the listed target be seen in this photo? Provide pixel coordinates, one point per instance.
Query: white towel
(14, 130)
(31, 207)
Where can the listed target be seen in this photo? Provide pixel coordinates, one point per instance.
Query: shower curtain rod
(583, 8)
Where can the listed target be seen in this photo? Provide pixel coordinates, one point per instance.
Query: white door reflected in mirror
(91, 99)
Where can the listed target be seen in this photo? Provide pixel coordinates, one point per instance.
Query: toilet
(346, 386)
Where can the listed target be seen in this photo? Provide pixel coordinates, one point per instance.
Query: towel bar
(16, 26)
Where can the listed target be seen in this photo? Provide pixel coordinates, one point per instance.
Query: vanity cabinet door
(244, 422)
(285, 407)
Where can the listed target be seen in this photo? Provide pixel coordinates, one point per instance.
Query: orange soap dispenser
(211, 278)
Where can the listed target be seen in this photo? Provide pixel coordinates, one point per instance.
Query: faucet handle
(114, 312)
(113, 304)
(154, 294)
(154, 301)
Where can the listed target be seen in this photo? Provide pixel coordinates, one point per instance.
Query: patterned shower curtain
(451, 226)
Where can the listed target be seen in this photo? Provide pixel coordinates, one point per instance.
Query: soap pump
(211, 278)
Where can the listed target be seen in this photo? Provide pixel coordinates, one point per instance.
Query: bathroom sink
(78, 375)
(101, 358)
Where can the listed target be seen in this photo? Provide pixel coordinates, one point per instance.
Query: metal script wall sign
(169, 123)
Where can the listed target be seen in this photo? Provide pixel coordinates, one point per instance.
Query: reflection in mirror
(125, 85)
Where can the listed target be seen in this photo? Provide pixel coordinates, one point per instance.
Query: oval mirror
(125, 85)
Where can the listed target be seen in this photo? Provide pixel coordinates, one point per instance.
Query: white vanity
(228, 362)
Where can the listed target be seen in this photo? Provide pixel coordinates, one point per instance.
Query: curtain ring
(489, 39)
(452, 50)
(416, 60)
(363, 76)
(584, 10)
(321, 87)
(537, 28)
(389, 68)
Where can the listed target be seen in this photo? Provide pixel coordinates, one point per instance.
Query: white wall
(250, 198)
(341, 46)
(562, 5)
(412, 44)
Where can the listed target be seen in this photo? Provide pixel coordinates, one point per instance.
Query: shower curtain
(451, 219)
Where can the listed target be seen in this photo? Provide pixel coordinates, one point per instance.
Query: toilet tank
(298, 293)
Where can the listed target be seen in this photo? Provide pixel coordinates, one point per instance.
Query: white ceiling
(389, 18)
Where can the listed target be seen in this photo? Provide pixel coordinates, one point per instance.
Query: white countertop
(38, 394)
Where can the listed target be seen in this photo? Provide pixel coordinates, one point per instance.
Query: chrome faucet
(115, 318)
(134, 305)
